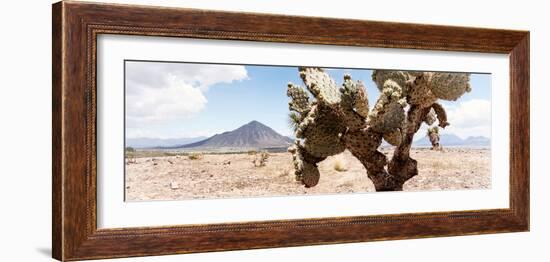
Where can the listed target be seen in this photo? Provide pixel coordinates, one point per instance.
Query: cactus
(334, 119)
(433, 135)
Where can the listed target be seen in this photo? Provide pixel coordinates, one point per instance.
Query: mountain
(444, 139)
(251, 135)
(145, 142)
(454, 140)
(478, 140)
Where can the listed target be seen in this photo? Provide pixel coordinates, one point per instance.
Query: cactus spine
(339, 118)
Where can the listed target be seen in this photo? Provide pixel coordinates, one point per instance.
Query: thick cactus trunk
(363, 144)
(401, 168)
(402, 165)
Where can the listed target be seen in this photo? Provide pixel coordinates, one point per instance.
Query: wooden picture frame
(76, 26)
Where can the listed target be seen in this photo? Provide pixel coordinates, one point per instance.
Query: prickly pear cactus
(433, 135)
(331, 119)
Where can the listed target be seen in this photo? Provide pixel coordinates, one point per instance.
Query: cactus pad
(449, 86)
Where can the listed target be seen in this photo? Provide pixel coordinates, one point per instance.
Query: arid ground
(234, 175)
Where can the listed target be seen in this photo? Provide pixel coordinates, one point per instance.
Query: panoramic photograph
(209, 131)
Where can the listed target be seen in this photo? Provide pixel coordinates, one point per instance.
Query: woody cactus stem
(340, 118)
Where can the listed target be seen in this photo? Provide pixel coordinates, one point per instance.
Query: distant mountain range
(251, 135)
(145, 142)
(454, 140)
(259, 136)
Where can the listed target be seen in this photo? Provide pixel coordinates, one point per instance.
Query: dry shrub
(339, 164)
(438, 165)
(195, 156)
(252, 152)
(348, 185)
(285, 173)
(260, 159)
(131, 160)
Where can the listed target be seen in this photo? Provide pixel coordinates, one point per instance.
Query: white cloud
(155, 75)
(470, 118)
(153, 106)
(162, 93)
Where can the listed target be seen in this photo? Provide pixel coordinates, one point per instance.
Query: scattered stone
(147, 181)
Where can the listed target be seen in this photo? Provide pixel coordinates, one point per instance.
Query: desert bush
(260, 159)
(339, 164)
(438, 165)
(252, 152)
(286, 172)
(195, 156)
(169, 153)
(130, 152)
(131, 160)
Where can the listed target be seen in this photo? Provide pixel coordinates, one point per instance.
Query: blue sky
(174, 100)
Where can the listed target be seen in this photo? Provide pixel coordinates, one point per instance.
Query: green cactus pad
(354, 96)
(388, 113)
(299, 99)
(310, 175)
(449, 86)
(441, 114)
(381, 76)
(430, 118)
(361, 100)
(394, 137)
(321, 85)
(419, 91)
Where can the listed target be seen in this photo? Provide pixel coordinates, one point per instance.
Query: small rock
(174, 185)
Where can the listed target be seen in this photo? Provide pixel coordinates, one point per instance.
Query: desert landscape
(162, 175)
(385, 130)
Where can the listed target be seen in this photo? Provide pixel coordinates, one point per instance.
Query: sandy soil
(234, 175)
